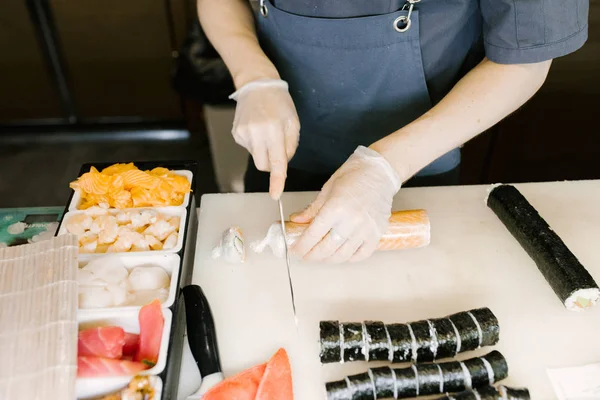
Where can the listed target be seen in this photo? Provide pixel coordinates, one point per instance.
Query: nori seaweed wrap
(406, 382)
(468, 330)
(429, 379)
(454, 376)
(480, 376)
(498, 364)
(569, 279)
(377, 341)
(353, 343)
(361, 387)
(446, 338)
(489, 326)
(384, 382)
(425, 340)
(337, 390)
(330, 342)
(402, 344)
(490, 393)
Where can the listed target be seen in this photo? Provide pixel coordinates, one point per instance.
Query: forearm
(229, 25)
(485, 96)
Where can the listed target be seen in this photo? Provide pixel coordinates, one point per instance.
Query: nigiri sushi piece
(406, 229)
(106, 341)
(94, 367)
(231, 246)
(151, 322)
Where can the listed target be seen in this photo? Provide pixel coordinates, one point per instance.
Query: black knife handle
(202, 336)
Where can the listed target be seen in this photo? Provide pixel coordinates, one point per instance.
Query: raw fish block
(104, 342)
(95, 367)
(151, 329)
(569, 279)
(242, 386)
(276, 383)
(131, 345)
(406, 229)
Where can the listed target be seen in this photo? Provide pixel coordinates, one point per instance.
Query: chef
(356, 97)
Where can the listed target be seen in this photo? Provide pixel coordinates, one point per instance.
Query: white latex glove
(351, 212)
(267, 125)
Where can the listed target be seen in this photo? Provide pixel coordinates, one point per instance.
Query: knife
(287, 260)
(202, 338)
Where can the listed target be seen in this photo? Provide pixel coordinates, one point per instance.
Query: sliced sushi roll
(490, 393)
(569, 279)
(231, 246)
(421, 379)
(420, 341)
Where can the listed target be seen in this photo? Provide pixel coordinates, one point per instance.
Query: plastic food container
(76, 199)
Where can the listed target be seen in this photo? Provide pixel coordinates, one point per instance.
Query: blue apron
(353, 80)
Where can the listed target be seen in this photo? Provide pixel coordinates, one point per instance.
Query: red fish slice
(270, 381)
(276, 383)
(93, 367)
(104, 341)
(151, 328)
(132, 344)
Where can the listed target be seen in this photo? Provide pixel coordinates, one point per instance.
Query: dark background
(91, 81)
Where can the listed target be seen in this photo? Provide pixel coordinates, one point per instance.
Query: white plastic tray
(169, 262)
(76, 200)
(79, 388)
(128, 320)
(171, 211)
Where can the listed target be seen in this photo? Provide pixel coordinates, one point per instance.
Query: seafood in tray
(135, 224)
(126, 186)
(124, 281)
(103, 230)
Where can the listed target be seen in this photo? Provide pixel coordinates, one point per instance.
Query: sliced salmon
(151, 329)
(93, 367)
(276, 383)
(243, 386)
(132, 344)
(107, 342)
(141, 179)
(118, 169)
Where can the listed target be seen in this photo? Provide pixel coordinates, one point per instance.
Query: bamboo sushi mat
(38, 320)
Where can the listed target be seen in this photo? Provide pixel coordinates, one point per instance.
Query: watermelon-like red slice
(106, 341)
(151, 328)
(132, 344)
(93, 367)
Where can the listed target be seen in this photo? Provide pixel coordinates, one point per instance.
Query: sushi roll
(569, 279)
(377, 342)
(352, 342)
(420, 341)
(384, 380)
(421, 379)
(490, 393)
(330, 342)
(231, 246)
(401, 343)
(361, 386)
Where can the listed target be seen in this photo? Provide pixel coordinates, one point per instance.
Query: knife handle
(201, 332)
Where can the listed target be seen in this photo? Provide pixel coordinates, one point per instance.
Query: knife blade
(287, 261)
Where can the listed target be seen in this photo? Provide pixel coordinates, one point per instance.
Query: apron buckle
(402, 23)
(264, 11)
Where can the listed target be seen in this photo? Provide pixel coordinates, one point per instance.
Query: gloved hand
(351, 212)
(267, 125)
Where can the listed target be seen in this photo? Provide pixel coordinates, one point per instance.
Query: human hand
(351, 212)
(266, 124)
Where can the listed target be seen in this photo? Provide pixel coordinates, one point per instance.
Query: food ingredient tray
(75, 201)
(185, 249)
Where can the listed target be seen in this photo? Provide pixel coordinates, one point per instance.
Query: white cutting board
(472, 261)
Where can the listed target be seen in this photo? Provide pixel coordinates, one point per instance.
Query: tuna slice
(93, 367)
(151, 329)
(132, 343)
(104, 342)
(270, 381)
(276, 383)
(242, 386)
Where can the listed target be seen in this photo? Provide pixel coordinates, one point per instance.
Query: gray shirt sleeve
(529, 31)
